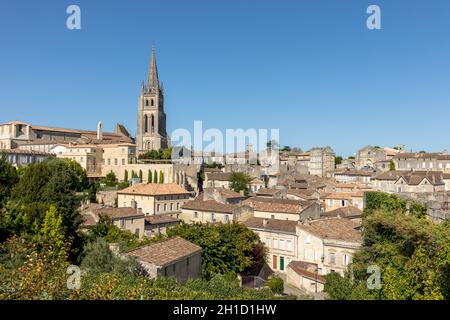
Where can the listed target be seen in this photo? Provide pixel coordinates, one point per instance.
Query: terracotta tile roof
(306, 269)
(166, 252)
(302, 193)
(390, 175)
(413, 177)
(414, 180)
(271, 224)
(355, 173)
(88, 220)
(344, 212)
(347, 186)
(343, 195)
(154, 189)
(160, 219)
(226, 193)
(267, 191)
(276, 205)
(28, 152)
(257, 181)
(219, 176)
(332, 228)
(409, 155)
(117, 213)
(210, 206)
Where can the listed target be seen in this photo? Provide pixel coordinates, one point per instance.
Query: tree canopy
(411, 252)
(227, 247)
(240, 181)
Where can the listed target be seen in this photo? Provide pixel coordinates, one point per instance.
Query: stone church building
(151, 126)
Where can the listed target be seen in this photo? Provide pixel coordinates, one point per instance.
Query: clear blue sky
(310, 68)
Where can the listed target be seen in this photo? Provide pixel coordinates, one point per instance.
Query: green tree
(338, 160)
(98, 258)
(240, 181)
(111, 179)
(50, 182)
(125, 178)
(161, 177)
(227, 247)
(411, 252)
(167, 153)
(8, 178)
(149, 176)
(286, 148)
(155, 177)
(52, 231)
(392, 166)
(275, 284)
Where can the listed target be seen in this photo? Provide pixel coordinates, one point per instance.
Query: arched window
(145, 123)
(153, 102)
(152, 124)
(146, 102)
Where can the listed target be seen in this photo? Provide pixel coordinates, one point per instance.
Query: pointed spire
(152, 79)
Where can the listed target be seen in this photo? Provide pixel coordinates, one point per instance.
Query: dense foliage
(226, 247)
(54, 185)
(27, 272)
(240, 181)
(391, 202)
(275, 284)
(411, 252)
(8, 178)
(41, 238)
(162, 154)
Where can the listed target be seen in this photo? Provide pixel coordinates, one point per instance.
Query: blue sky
(310, 68)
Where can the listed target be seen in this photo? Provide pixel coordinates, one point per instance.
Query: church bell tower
(151, 126)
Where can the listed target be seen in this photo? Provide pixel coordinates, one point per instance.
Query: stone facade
(322, 162)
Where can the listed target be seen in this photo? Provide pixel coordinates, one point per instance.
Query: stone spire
(152, 79)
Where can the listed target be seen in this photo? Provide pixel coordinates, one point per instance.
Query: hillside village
(308, 213)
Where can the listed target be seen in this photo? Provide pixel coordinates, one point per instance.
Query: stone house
(361, 177)
(283, 209)
(20, 158)
(422, 161)
(174, 257)
(212, 211)
(410, 181)
(279, 193)
(367, 157)
(305, 275)
(154, 198)
(420, 183)
(221, 195)
(218, 179)
(337, 200)
(159, 224)
(322, 162)
(307, 251)
(130, 219)
(280, 238)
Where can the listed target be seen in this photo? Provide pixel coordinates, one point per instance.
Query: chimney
(99, 131)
